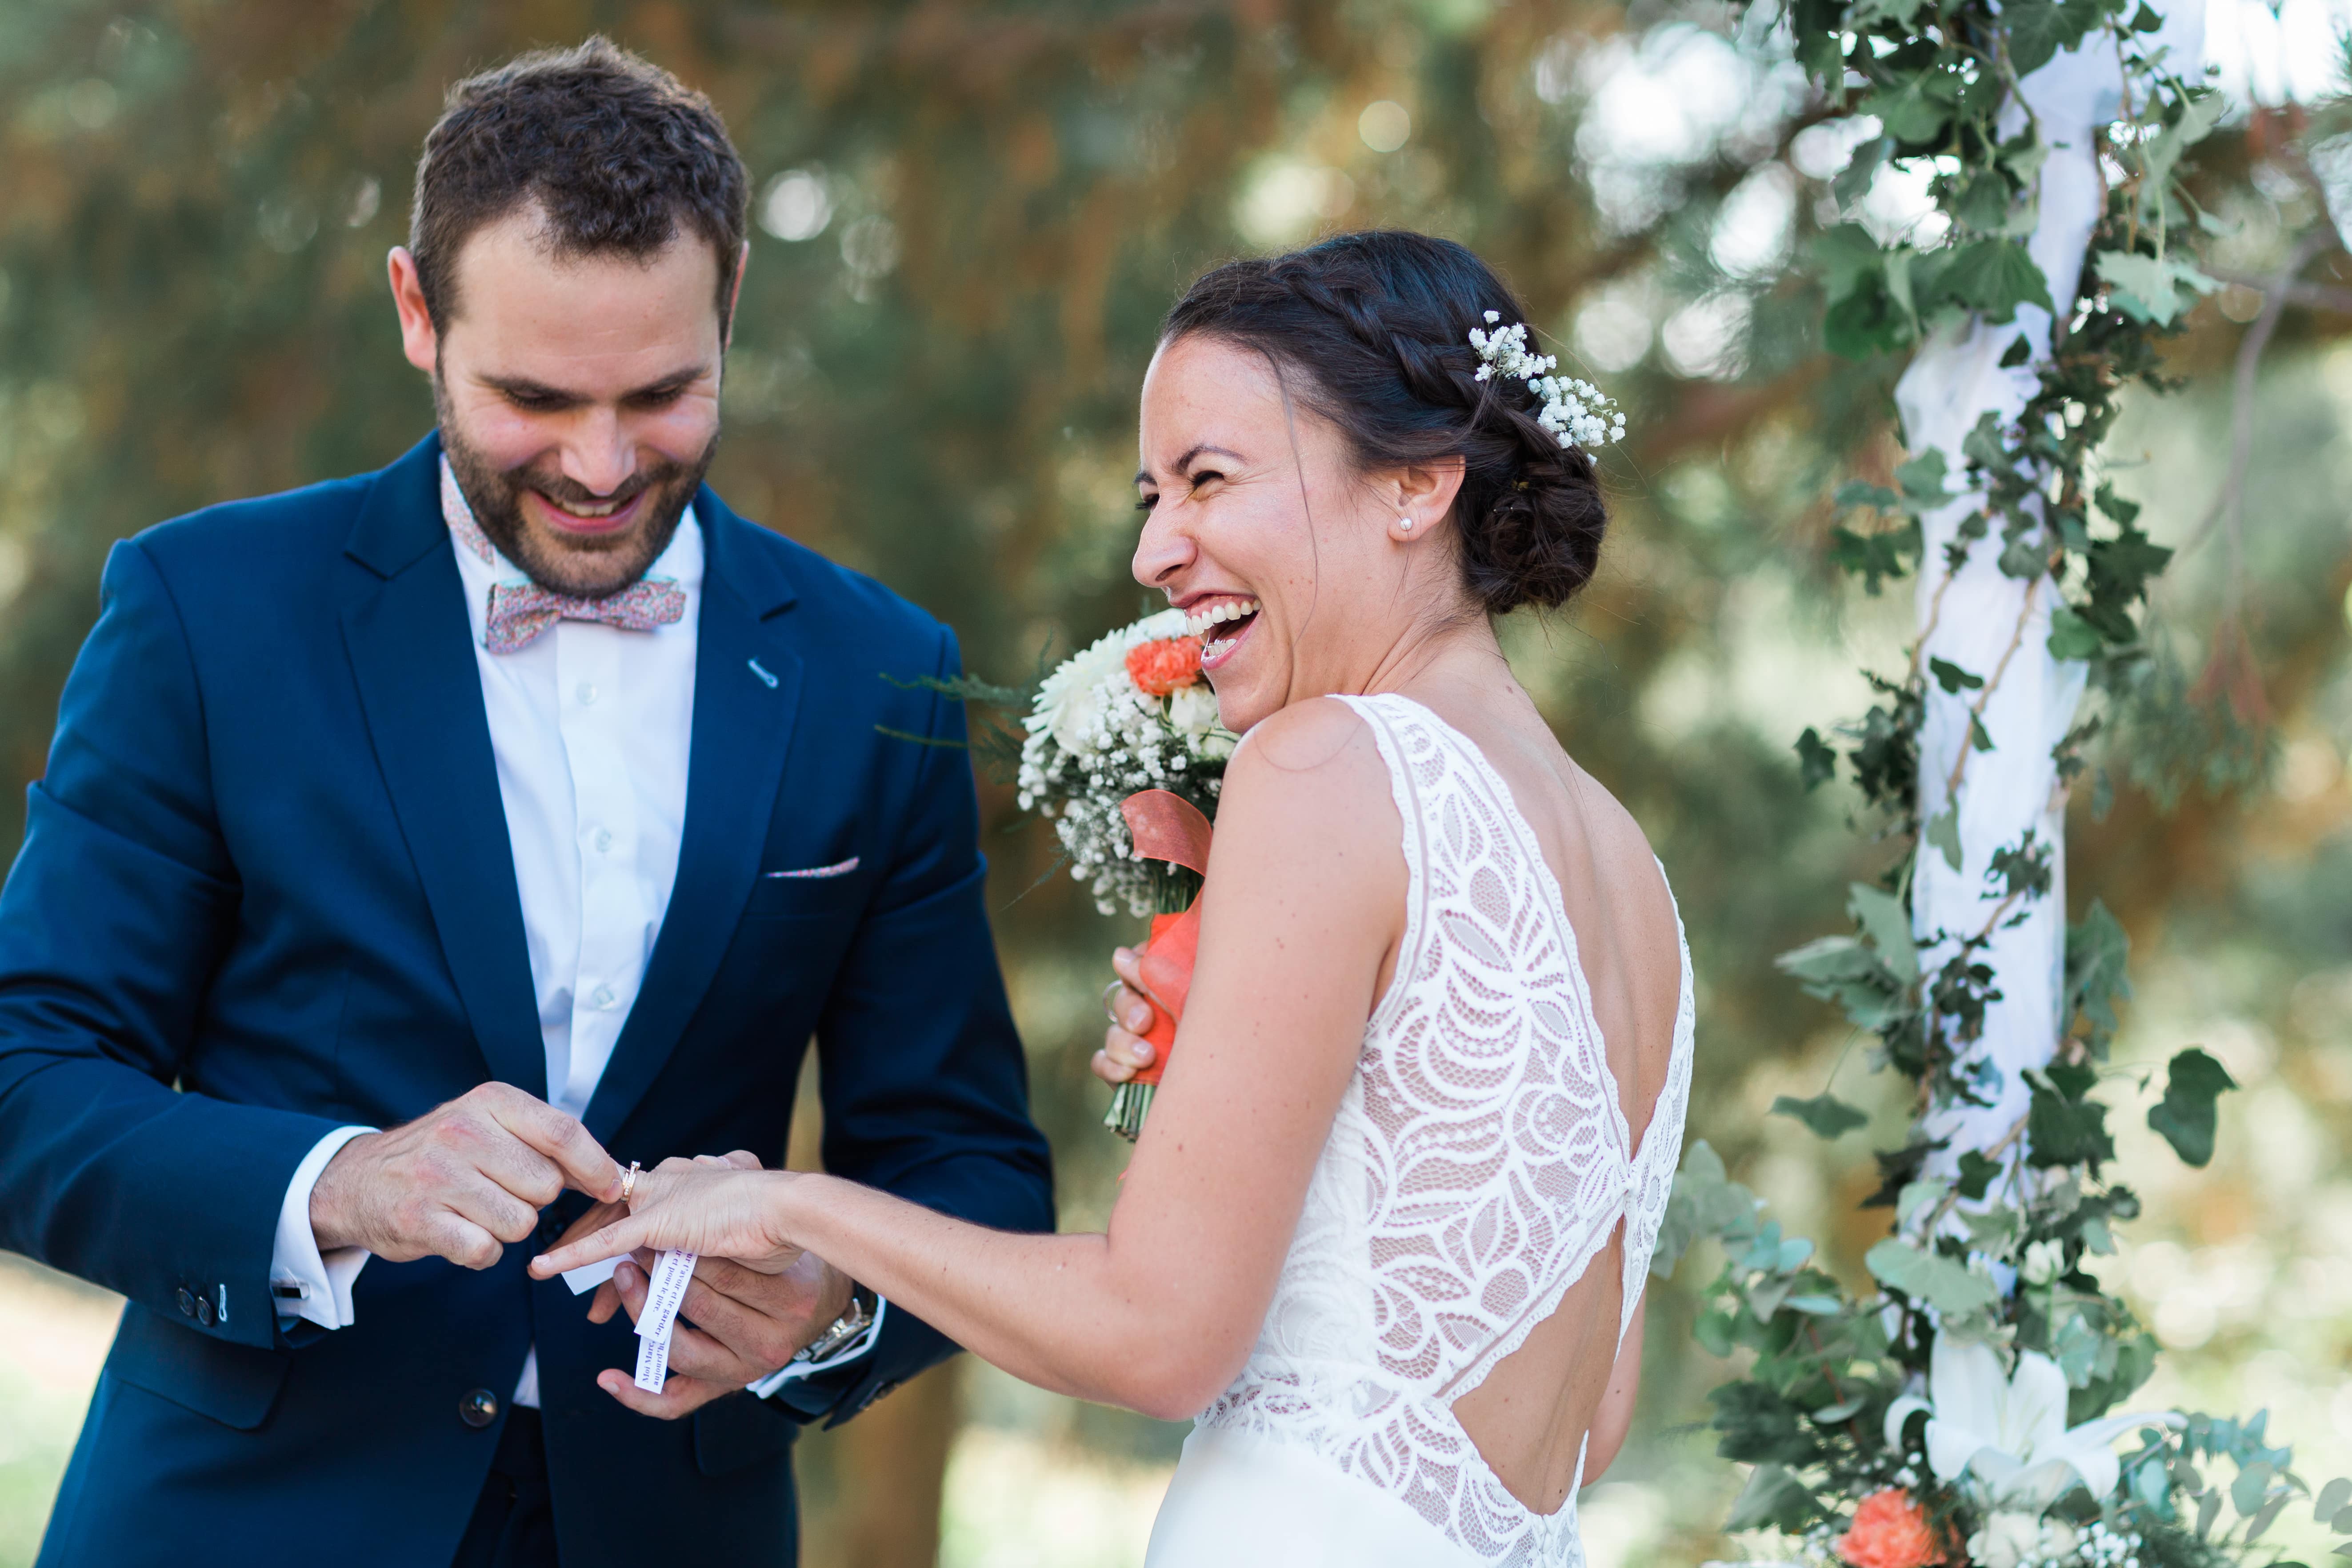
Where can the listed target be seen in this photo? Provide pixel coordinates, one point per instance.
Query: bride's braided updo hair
(1372, 333)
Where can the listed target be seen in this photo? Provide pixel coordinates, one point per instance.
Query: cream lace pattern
(1480, 1160)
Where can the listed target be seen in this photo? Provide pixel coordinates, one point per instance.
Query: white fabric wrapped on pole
(1980, 618)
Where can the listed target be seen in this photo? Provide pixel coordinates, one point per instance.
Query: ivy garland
(1983, 1305)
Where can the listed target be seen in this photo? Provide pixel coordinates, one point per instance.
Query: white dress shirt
(592, 726)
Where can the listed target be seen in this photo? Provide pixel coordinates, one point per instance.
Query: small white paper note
(588, 1276)
(663, 1294)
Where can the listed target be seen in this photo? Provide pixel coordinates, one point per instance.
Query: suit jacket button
(477, 1408)
(204, 1311)
(188, 1300)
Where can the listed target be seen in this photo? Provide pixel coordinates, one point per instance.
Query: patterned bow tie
(520, 612)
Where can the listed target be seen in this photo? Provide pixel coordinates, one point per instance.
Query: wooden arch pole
(1977, 802)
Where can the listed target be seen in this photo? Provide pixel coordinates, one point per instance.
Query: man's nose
(599, 456)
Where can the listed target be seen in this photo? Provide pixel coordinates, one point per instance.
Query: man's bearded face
(577, 399)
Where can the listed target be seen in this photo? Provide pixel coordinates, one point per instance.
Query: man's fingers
(681, 1396)
(702, 1355)
(604, 1303)
(730, 1277)
(744, 1160)
(461, 1241)
(477, 1198)
(561, 1139)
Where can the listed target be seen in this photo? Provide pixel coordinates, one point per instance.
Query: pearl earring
(1404, 523)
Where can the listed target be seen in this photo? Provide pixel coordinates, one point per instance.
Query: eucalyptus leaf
(2252, 1485)
(2332, 1499)
(1943, 832)
(1772, 1497)
(1887, 924)
(2149, 288)
(1944, 1283)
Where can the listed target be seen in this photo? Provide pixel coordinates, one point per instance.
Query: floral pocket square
(838, 868)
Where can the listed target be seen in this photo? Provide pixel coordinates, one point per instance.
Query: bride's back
(1530, 1415)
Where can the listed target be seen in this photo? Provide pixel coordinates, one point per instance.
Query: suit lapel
(747, 684)
(411, 651)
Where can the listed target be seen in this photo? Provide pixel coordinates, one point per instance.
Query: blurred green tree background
(970, 218)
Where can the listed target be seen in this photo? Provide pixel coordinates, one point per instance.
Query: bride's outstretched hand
(706, 1206)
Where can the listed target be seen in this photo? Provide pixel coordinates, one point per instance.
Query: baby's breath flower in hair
(1578, 412)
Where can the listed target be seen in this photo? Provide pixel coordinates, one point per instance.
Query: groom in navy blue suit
(415, 847)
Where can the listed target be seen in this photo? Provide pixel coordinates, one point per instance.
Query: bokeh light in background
(969, 220)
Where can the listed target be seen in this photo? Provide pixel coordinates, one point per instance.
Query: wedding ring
(1113, 1018)
(629, 1181)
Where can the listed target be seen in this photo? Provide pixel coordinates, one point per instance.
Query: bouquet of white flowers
(1120, 742)
(1131, 713)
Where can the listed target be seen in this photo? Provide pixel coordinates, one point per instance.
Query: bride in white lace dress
(1386, 1232)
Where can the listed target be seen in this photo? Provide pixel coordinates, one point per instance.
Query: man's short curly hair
(615, 150)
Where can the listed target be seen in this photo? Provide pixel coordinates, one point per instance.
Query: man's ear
(419, 342)
(734, 297)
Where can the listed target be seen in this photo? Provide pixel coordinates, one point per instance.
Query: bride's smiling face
(1257, 516)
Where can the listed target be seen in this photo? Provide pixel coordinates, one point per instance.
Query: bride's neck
(1451, 655)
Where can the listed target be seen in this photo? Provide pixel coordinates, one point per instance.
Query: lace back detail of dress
(1479, 1162)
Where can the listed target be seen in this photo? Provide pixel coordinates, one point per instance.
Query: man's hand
(736, 1325)
(457, 1181)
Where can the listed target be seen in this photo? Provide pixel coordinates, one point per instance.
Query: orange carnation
(1890, 1531)
(1167, 665)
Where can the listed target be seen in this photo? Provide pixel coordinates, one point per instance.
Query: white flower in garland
(2011, 1433)
(1578, 412)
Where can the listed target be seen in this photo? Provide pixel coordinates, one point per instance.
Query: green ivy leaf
(2072, 636)
(2114, 505)
(1887, 924)
(1977, 1175)
(1914, 108)
(1944, 1283)
(2037, 30)
(2098, 958)
(1825, 1113)
(1816, 763)
(2062, 1127)
(2184, 1116)
(1952, 677)
(1993, 277)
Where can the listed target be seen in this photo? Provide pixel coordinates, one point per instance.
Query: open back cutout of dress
(1481, 1160)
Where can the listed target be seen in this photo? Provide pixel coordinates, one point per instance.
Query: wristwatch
(853, 1322)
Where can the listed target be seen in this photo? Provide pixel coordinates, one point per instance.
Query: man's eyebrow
(519, 385)
(1141, 475)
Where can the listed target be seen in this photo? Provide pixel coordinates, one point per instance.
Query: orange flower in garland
(1170, 664)
(1890, 1531)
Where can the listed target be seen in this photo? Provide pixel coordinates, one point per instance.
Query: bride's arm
(1304, 908)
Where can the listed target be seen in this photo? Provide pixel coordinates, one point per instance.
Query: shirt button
(204, 1311)
(187, 1302)
(603, 840)
(586, 692)
(477, 1408)
(601, 998)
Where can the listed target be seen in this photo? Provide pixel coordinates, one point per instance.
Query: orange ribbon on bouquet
(1165, 826)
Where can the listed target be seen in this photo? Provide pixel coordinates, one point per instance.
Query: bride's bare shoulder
(1313, 769)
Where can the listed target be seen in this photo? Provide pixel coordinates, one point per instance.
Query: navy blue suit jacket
(266, 890)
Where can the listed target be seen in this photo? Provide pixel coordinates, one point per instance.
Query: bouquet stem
(1128, 1102)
